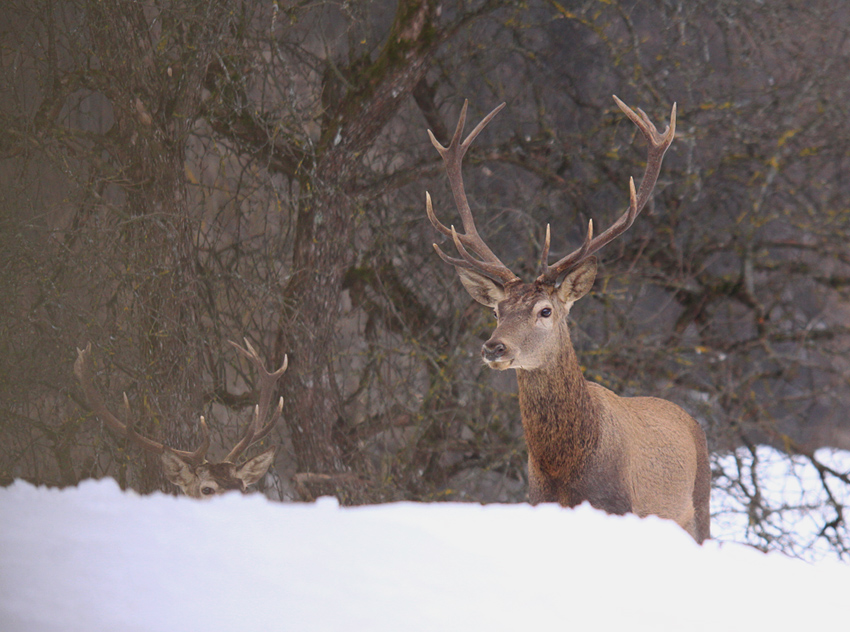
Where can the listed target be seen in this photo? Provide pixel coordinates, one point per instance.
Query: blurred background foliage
(176, 174)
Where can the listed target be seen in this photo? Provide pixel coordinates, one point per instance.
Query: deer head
(532, 317)
(191, 471)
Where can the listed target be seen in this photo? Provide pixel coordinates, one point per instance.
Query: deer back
(657, 453)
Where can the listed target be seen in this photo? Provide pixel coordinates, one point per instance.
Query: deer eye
(546, 312)
(207, 490)
(495, 314)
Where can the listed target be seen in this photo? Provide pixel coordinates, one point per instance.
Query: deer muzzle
(493, 351)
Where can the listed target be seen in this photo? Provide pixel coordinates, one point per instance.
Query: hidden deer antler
(191, 470)
(256, 431)
(83, 371)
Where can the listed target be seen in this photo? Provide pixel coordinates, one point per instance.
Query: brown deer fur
(585, 443)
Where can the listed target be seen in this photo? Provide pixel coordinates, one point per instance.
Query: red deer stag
(191, 471)
(622, 454)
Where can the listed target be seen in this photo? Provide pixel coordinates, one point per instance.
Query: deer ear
(483, 289)
(254, 469)
(578, 282)
(176, 469)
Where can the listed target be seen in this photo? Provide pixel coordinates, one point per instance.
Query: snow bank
(96, 558)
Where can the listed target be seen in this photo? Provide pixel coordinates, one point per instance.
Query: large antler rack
(260, 426)
(486, 262)
(83, 371)
(658, 144)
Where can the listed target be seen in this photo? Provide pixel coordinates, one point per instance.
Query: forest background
(177, 174)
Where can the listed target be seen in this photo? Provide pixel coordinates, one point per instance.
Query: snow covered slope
(94, 558)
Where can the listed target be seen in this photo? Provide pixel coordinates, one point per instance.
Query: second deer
(197, 477)
(585, 443)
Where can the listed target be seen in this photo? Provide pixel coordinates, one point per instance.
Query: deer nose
(493, 350)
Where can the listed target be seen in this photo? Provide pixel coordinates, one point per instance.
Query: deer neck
(559, 416)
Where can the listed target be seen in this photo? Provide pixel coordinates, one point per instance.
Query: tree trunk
(324, 232)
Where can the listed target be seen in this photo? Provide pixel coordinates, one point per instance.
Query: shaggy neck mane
(559, 416)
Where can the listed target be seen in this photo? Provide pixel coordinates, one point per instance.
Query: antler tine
(544, 255)
(658, 144)
(456, 150)
(260, 426)
(571, 260)
(452, 159)
(199, 455)
(82, 369)
(495, 270)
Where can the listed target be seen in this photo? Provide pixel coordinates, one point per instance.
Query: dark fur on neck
(560, 424)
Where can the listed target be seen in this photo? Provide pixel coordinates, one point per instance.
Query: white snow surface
(95, 558)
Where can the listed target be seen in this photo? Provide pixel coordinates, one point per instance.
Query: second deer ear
(176, 469)
(483, 289)
(254, 469)
(578, 282)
